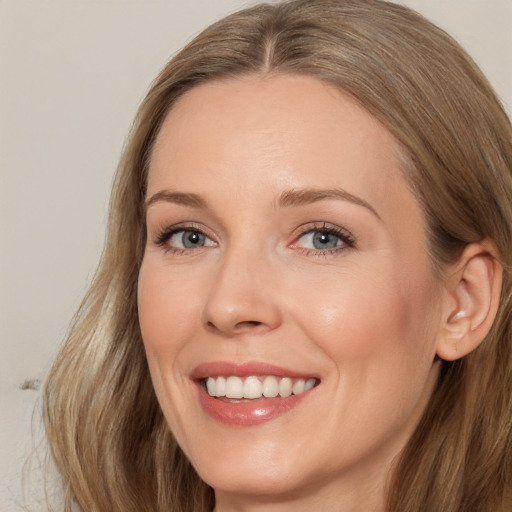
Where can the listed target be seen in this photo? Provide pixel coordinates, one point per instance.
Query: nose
(242, 297)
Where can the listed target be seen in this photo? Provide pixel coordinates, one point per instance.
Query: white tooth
(270, 387)
(298, 386)
(210, 386)
(252, 387)
(220, 386)
(285, 387)
(310, 384)
(234, 387)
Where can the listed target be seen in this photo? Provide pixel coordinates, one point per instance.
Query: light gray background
(72, 74)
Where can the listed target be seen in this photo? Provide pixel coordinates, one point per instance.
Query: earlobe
(472, 296)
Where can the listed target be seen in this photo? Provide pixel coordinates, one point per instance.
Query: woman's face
(286, 251)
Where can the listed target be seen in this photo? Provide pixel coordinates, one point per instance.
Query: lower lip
(248, 413)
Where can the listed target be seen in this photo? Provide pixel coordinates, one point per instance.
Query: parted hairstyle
(107, 434)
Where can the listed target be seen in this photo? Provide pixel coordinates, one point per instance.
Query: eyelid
(162, 235)
(348, 239)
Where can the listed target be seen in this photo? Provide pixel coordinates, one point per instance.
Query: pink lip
(226, 368)
(245, 413)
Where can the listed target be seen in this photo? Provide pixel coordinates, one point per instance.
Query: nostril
(239, 327)
(248, 323)
(248, 326)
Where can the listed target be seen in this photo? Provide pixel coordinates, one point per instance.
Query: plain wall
(72, 74)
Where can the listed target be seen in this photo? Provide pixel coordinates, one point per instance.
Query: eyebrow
(169, 196)
(301, 197)
(289, 198)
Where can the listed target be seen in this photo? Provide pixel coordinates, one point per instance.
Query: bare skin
(256, 266)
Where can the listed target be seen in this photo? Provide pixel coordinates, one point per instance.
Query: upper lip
(228, 368)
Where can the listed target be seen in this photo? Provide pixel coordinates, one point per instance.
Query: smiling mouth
(255, 387)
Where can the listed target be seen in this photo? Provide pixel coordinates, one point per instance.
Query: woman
(304, 300)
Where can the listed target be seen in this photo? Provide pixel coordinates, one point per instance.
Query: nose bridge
(240, 298)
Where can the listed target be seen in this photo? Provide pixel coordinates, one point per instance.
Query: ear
(472, 296)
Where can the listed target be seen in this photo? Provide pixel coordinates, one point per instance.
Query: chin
(258, 476)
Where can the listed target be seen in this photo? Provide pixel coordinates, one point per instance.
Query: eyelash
(166, 234)
(347, 239)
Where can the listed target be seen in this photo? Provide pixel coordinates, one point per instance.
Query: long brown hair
(107, 434)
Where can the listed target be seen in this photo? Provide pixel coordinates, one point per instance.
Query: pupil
(322, 240)
(192, 238)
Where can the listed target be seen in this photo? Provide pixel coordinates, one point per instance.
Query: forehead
(277, 132)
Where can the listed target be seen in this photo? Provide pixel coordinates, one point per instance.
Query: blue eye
(188, 239)
(322, 240)
(180, 239)
(325, 239)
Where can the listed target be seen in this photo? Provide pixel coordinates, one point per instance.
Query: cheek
(167, 317)
(167, 312)
(379, 336)
(376, 320)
